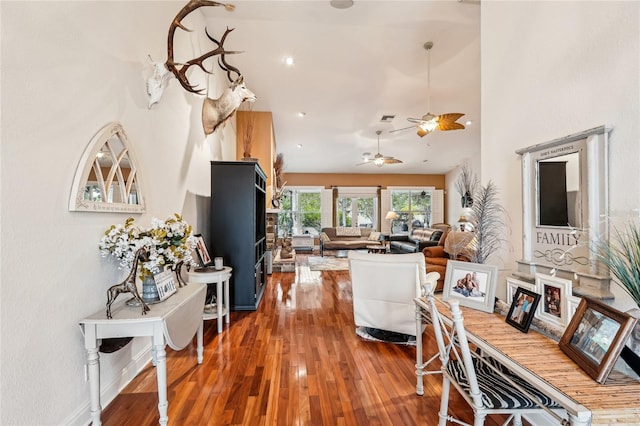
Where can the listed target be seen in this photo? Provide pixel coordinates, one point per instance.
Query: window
(357, 212)
(413, 207)
(300, 212)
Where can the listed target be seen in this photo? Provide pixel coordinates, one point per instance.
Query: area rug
(326, 263)
(376, 335)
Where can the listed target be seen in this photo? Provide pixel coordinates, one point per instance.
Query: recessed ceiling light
(468, 122)
(301, 114)
(288, 60)
(299, 146)
(341, 4)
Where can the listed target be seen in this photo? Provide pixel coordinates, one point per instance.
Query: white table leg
(419, 363)
(199, 341)
(161, 374)
(227, 303)
(93, 365)
(219, 304)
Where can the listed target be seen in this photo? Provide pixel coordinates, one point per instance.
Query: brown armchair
(454, 245)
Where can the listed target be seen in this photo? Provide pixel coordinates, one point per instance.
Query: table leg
(161, 374)
(219, 303)
(419, 364)
(93, 364)
(199, 341)
(227, 303)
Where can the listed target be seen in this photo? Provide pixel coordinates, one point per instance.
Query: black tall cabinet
(238, 228)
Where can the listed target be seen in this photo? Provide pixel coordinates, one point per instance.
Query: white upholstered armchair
(384, 286)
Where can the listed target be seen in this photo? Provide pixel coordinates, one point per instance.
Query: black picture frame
(518, 317)
(595, 337)
(201, 251)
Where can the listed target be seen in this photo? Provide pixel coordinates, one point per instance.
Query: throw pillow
(324, 237)
(374, 236)
(347, 231)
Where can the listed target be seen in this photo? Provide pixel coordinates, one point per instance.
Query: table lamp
(391, 215)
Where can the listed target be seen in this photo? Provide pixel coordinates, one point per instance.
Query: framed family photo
(554, 306)
(201, 251)
(513, 284)
(523, 308)
(595, 337)
(471, 284)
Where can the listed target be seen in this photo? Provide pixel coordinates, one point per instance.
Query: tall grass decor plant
(622, 256)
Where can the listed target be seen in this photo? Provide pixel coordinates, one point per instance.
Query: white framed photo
(165, 283)
(472, 284)
(554, 304)
(574, 301)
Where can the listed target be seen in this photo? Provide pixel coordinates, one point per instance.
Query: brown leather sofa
(455, 245)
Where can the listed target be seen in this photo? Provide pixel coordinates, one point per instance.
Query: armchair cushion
(384, 287)
(435, 251)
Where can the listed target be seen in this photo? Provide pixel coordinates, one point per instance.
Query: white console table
(222, 305)
(172, 322)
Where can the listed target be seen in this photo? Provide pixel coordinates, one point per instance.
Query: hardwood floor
(295, 361)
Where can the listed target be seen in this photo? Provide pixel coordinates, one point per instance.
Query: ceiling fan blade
(391, 160)
(404, 128)
(448, 121)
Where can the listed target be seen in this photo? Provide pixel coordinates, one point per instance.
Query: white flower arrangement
(167, 242)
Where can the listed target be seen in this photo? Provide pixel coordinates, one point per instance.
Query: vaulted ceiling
(352, 67)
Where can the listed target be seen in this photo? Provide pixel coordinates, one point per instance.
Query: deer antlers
(180, 70)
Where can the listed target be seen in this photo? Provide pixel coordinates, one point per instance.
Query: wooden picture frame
(523, 308)
(595, 337)
(554, 305)
(471, 284)
(201, 251)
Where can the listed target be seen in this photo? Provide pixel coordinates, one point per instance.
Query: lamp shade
(391, 215)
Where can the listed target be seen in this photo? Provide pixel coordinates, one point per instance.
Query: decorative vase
(149, 290)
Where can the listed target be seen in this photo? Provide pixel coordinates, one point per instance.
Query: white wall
(68, 68)
(550, 69)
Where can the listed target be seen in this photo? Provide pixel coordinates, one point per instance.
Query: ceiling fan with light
(430, 122)
(378, 159)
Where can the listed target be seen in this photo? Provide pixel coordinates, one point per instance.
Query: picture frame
(595, 337)
(201, 251)
(523, 309)
(514, 283)
(472, 284)
(554, 304)
(165, 283)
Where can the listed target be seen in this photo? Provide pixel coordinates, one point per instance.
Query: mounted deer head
(217, 111)
(214, 111)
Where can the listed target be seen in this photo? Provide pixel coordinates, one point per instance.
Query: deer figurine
(128, 285)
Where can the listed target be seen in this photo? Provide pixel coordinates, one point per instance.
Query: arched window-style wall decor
(565, 210)
(107, 178)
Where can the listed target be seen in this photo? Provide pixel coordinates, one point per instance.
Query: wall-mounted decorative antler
(214, 111)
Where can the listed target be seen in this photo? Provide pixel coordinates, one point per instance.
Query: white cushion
(374, 236)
